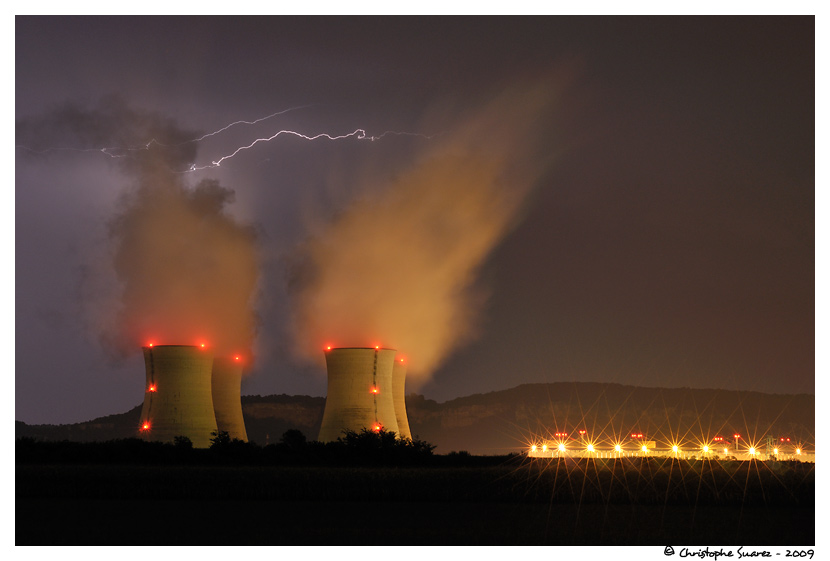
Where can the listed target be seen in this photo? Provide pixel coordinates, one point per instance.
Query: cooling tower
(359, 392)
(177, 398)
(399, 397)
(226, 383)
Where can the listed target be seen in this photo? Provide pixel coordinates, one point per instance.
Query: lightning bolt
(226, 127)
(122, 152)
(358, 133)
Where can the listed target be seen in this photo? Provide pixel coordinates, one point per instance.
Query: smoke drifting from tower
(187, 269)
(398, 265)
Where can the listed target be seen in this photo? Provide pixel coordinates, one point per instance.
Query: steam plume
(397, 266)
(187, 270)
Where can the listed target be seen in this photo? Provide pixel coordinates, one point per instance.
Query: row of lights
(201, 346)
(675, 449)
(377, 348)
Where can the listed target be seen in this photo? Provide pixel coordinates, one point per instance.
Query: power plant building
(360, 392)
(399, 397)
(226, 385)
(178, 399)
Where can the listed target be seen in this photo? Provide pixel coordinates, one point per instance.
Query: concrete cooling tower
(226, 384)
(177, 397)
(399, 397)
(360, 393)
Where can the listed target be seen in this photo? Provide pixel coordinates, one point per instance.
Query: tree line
(363, 447)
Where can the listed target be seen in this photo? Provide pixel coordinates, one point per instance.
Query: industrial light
(561, 447)
(705, 449)
(798, 451)
(544, 448)
(725, 451)
(590, 448)
(775, 451)
(145, 426)
(751, 450)
(674, 448)
(374, 389)
(645, 449)
(618, 448)
(236, 357)
(152, 388)
(533, 448)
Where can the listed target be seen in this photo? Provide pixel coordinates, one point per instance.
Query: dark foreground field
(626, 502)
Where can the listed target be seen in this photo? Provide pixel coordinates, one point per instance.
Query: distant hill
(508, 420)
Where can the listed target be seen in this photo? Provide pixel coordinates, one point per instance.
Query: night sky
(668, 239)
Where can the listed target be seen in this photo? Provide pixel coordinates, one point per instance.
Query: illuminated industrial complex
(637, 444)
(191, 393)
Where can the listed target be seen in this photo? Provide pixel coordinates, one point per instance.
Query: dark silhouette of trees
(365, 447)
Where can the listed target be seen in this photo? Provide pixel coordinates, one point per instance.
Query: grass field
(526, 503)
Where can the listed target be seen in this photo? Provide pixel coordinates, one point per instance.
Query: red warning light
(145, 426)
(150, 344)
(401, 360)
(376, 428)
(202, 345)
(152, 388)
(328, 348)
(374, 389)
(236, 357)
(377, 347)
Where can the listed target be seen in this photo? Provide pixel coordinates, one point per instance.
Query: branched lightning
(123, 152)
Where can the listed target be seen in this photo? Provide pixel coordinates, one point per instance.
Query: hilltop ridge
(504, 421)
